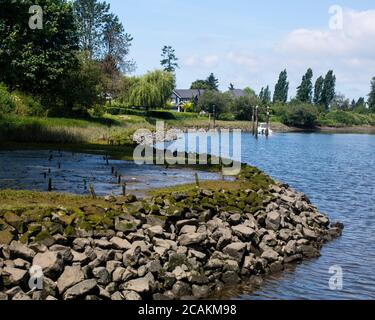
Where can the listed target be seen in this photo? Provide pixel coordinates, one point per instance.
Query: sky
(248, 42)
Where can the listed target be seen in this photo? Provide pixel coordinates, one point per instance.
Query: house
(237, 93)
(181, 96)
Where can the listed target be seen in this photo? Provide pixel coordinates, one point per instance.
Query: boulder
(70, 277)
(273, 220)
(102, 275)
(188, 229)
(131, 296)
(81, 289)
(14, 220)
(6, 237)
(310, 234)
(194, 238)
(120, 244)
(19, 250)
(13, 277)
(243, 232)
(51, 263)
(236, 250)
(270, 255)
(291, 248)
(141, 285)
(155, 231)
(201, 292)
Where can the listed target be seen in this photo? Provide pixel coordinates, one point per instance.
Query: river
(337, 172)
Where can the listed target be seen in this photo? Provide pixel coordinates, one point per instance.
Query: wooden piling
(92, 191)
(119, 179)
(197, 181)
(253, 120)
(257, 121)
(113, 170)
(49, 184)
(268, 122)
(124, 189)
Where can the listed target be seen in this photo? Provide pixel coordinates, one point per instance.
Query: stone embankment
(180, 245)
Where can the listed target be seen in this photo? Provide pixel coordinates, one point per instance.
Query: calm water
(337, 172)
(26, 169)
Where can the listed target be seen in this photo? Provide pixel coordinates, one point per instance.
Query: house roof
(188, 93)
(237, 93)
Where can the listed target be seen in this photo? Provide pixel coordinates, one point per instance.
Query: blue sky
(248, 43)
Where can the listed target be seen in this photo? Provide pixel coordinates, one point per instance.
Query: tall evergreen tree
(328, 91)
(281, 88)
(371, 96)
(305, 90)
(90, 17)
(266, 95)
(319, 83)
(169, 59)
(213, 82)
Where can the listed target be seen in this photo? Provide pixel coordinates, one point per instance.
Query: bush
(188, 107)
(346, 118)
(26, 105)
(227, 117)
(7, 104)
(299, 115)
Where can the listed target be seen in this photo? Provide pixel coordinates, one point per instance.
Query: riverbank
(192, 243)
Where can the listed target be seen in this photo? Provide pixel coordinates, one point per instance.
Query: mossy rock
(14, 220)
(70, 231)
(125, 226)
(6, 237)
(44, 237)
(66, 220)
(136, 207)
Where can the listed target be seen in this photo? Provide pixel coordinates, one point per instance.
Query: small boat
(262, 129)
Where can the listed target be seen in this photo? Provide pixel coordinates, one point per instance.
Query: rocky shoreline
(178, 245)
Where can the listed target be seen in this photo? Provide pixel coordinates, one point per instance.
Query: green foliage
(200, 85)
(298, 115)
(281, 88)
(265, 95)
(27, 105)
(211, 100)
(188, 107)
(304, 91)
(328, 91)
(345, 118)
(169, 59)
(371, 97)
(7, 104)
(152, 90)
(213, 82)
(243, 107)
(318, 90)
(37, 61)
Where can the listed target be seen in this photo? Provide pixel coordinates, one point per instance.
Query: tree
(371, 96)
(213, 82)
(318, 90)
(265, 95)
(249, 92)
(211, 100)
(117, 43)
(281, 88)
(37, 61)
(90, 17)
(328, 91)
(152, 90)
(300, 115)
(305, 90)
(200, 85)
(243, 106)
(169, 59)
(340, 102)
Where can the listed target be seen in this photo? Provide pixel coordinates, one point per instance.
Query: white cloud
(208, 61)
(357, 37)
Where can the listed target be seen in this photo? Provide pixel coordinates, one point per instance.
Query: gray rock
(201, 292)
(236, 250)
(270, 255)
(112, 265)
(131, 296)
(194, 238)
(21, 297)
(65, 252)
(230, 278)
(141, 285)
(188, 229)
(117, 296)
(13, 277)
(154, 266)
(155, 231)
(51, 263)
(181, 289)
(80, 258)
(310, 234)
(273, 220)
(19, 250)
(291, 248)
(102, 275)
(243, 232)
(103, 244)
(235, 219)
(121, 244)
(3, 296)
(80, 244)
(81, 289)
(70, 277)
(118, 274)
(285, 234)
(21, 264)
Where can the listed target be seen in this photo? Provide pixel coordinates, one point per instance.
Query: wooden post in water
(119, 179)
(49, 184)
(253, 120)
(268, 122)
(59, 165)
(113, 170)
(92, 191)
(124, 189)
(197, 180)
(257, 121)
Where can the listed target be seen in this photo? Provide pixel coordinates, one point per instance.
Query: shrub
(299, 115)
(226, 117)
(6, 102)
(26, 105)
(188, 107)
